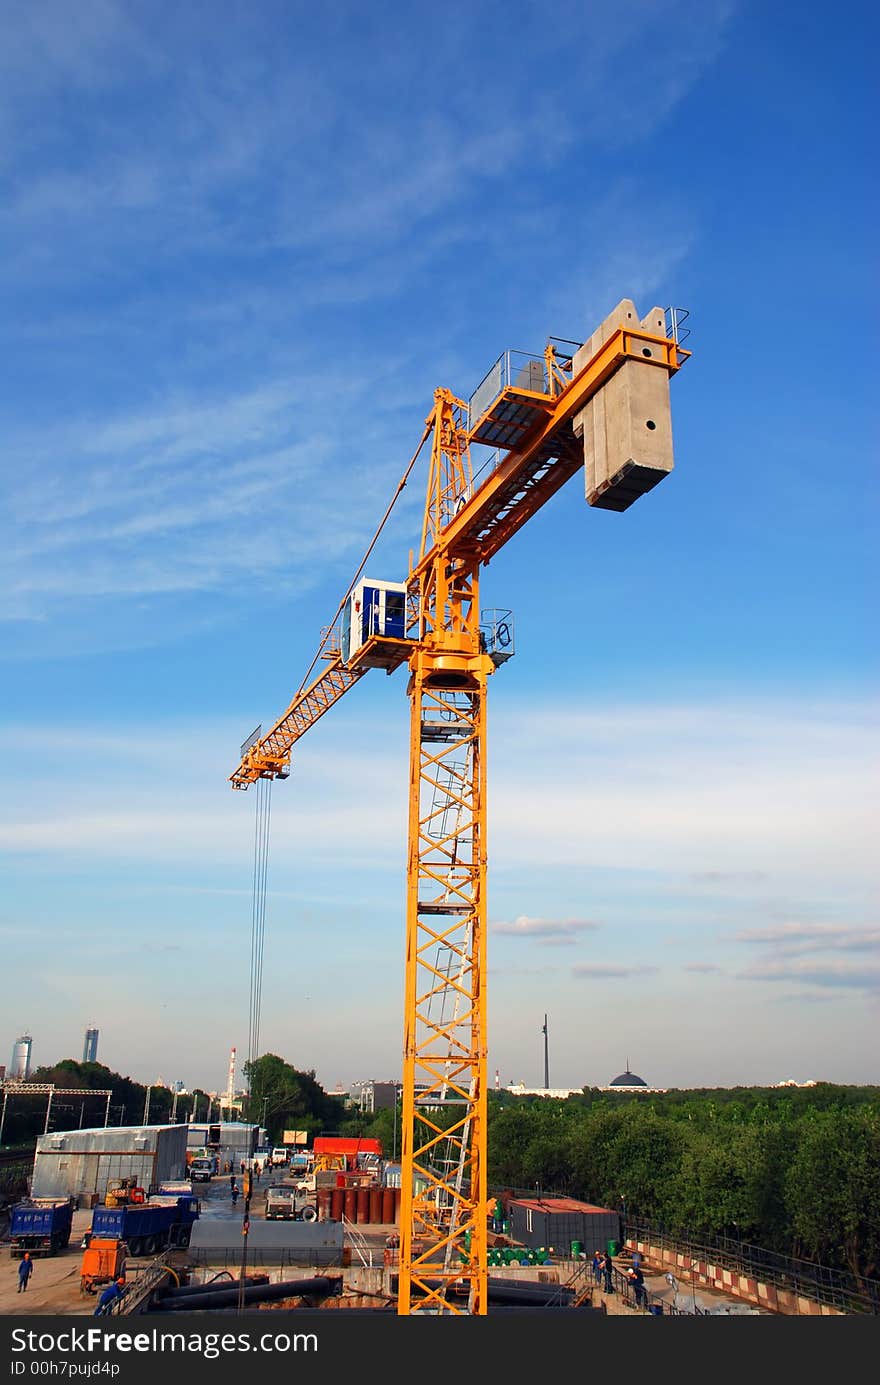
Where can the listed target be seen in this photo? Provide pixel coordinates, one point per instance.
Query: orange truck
(103, 1261)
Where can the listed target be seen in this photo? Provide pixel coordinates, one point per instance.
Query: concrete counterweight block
(626, 427)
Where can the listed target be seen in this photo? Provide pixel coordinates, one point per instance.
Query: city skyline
(231, 287)
(501, 1081)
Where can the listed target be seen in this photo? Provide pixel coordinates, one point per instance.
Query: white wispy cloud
(801, 953)
(181, 493)
(825, 973)
(793, 938)
(766, 786)
(214, 133)
(185, 500)
(544, 929)
(728, 877)
(611, 971)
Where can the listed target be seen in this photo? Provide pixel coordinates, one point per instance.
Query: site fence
(833, 1288)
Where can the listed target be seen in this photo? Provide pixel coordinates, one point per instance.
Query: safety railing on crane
(496, 635)
(533, 372)
(523, 370)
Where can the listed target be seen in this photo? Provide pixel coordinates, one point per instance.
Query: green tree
(833, 1189)
(291, 1099)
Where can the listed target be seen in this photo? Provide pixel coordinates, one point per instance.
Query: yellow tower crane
(602, 405)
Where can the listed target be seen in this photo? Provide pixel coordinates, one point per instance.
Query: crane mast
(442, 1205)
(603, 407)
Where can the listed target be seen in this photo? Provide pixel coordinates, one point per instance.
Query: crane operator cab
(373, 632)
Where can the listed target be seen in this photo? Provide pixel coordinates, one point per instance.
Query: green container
(612, 1247)
(576, 1249)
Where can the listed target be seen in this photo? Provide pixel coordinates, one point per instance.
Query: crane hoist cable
(258, 921)
(263, 805)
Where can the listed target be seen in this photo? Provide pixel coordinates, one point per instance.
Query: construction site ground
(55, 1283)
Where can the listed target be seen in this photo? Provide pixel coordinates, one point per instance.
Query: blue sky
(237, 257)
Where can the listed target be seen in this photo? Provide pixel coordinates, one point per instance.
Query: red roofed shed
(563, 1222)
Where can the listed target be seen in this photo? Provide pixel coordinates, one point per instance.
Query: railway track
(17, 1156)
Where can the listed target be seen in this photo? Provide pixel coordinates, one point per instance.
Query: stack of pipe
(203, 1296)
(214, 1286)
(528, 1293)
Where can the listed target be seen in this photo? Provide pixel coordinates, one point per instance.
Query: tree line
(26, 1114)
(792, 1170)
(280, 1098)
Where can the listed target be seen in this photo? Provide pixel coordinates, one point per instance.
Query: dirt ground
(54, 1284)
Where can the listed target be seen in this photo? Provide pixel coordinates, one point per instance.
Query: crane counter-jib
(549, 452)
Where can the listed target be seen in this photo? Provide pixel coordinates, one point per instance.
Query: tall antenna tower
(230, 1086)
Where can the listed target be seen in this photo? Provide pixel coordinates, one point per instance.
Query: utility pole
(245, 1228)
(546, 1059)
(230, 1085)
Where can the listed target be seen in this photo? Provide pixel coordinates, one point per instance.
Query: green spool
(612, 1247)
(577, 1249)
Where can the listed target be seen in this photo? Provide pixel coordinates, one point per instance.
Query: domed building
(629, 1081)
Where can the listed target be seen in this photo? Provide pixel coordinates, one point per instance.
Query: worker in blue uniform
(113, 1291)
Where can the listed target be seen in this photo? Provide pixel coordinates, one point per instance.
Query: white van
(280, 1154)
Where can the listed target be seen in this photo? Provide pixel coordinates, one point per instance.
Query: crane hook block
(626, 427)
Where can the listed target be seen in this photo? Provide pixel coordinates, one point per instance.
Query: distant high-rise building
(90, 1046)
(2, 1072)
(20, 1067)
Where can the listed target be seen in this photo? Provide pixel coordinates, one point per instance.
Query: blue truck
(147, 1227)
(43, 1228)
